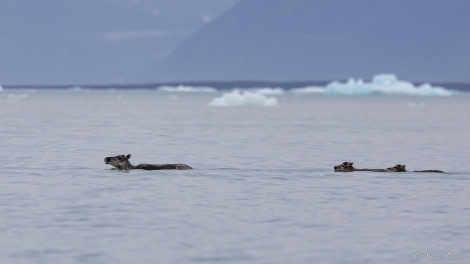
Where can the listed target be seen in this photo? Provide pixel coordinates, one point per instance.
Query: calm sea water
(263, 189)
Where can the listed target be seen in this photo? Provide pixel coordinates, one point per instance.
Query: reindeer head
(120, 161)
(398, 168)
(344, 167)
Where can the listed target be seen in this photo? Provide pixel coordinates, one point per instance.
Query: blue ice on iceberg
(384, 84)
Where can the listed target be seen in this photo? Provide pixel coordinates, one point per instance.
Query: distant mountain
(93, 41)
(420, 40)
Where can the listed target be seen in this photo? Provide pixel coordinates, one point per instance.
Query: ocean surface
(263, 189)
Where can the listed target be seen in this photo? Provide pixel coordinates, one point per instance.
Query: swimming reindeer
(122, 162)
(402, 168)
(348, 167)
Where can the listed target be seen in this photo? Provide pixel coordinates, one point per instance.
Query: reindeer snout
(106, 160)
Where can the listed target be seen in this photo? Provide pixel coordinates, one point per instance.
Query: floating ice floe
(185, 88)
(384, 84)
(13, 98)
(243, 98)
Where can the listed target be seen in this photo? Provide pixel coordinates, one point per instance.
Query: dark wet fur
(122, 162)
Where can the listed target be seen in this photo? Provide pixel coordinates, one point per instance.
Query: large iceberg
(243, 98)
(384, 84)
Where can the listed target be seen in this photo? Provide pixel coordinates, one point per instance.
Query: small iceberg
(186, 88)
(308, 90)
(268, 91)
(243, 98)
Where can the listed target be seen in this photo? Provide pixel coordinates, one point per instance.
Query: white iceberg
(243, 98)
(308, 90)
(186, 88)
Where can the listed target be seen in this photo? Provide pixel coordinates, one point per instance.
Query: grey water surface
(262, 190)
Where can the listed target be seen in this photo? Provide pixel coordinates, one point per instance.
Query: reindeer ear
(128, 156)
